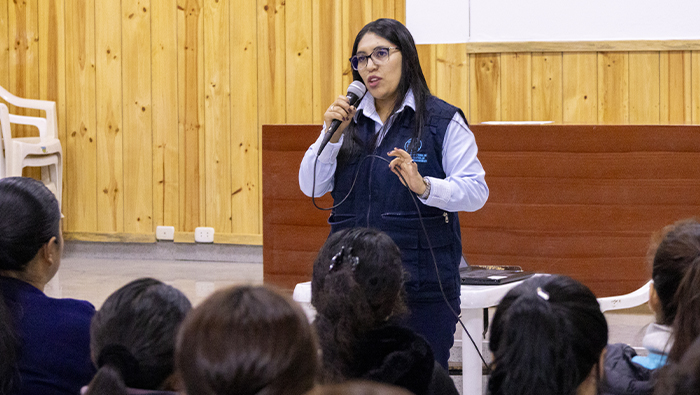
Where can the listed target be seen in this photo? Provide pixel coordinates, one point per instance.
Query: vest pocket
(341, 221)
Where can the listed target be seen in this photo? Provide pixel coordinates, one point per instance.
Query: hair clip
(337, 259)
(542, 294)
(342, 256)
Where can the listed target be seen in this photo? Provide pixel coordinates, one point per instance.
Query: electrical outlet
(204, 235)
(165, 233)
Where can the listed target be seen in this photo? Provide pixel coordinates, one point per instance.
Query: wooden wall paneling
(164, 86)
(485, 88)
(245, 132)
(452, 75)
(400, 11)
(24, 58)
(79, 150)
(356, 14)
(695, 77)
(384, 9)
(613, 88)
(217, 120)
(644, 88)
(299, 61)
(137, 133)
(516, 86)
(108, 129)
(4, 46)
(191, 111)
(427, 56)
(328, 60)
(52, 59)
(547, 81)
(580, 87)
(676, 87)
(271, 62)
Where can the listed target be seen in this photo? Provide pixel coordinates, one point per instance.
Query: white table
(474, 299)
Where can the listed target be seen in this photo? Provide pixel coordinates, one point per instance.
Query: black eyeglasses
(379, 56)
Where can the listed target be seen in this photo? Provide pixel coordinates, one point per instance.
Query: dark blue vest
(380, 201)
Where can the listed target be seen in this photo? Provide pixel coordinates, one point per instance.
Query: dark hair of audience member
(29, 218)
(247, 340)
(546, 336)
(132, 337)
(354, 298)
(359, 387)
(682, 378)
(676, 275)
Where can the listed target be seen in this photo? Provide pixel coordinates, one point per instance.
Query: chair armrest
(46, 105)
(626, 301)
(40, 123)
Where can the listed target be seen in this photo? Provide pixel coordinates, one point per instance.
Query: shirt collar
(370, 111)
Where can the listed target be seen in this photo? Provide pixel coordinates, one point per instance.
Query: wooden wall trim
(180, 237)
(584, 46)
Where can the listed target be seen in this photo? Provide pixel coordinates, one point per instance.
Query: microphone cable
(425, 232)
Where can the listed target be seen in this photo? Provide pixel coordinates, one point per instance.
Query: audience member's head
(547, 337)
(357, 286)
(682, 378)
(31, 245)
(358, 387)
(133, 337)
(675, 296)
(247, 340)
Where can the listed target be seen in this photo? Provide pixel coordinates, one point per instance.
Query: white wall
(555, 20)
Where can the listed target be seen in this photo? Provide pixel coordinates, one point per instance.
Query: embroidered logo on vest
(416, 156)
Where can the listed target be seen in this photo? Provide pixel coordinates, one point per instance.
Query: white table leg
(471, 362)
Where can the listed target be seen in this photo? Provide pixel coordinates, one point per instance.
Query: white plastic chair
(44, 151)
(632, 299)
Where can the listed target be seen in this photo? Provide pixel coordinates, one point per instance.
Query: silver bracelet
(426, 193)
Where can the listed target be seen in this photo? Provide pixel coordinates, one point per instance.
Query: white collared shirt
(464, 188)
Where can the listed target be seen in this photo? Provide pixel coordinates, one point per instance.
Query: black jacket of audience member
(622, 376)
(399, 356)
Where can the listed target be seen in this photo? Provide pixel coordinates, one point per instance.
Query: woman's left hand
(403, 165)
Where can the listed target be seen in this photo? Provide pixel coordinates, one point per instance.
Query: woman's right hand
(342, 111)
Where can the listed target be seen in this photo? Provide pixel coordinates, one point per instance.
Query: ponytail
(686, 326)
(546, 336)
(107, 381)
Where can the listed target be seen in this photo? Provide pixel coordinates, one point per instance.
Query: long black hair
(412, 78)
(676, 275)
(357, 286)
(546, 336)
(29, 218)
(132, 337)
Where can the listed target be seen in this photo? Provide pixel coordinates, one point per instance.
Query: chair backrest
(50, 131)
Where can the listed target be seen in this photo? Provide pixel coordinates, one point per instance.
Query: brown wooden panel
(110, 167)
(695, 77)
(644, 88)
(516, 87)
(166, 147)
(547, 87)
(613, 88)
(485, 87)
(545, 190)
(675, 87)
(4, 47)
(427, 56)
(590, 218)
(328, 62)
(580, 89)
(582, 138)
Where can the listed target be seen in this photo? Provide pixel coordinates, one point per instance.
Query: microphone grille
(357, 88)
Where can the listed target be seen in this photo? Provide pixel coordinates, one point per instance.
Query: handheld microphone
(355, 92)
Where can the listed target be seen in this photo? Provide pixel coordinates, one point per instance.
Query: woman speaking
(401, 146)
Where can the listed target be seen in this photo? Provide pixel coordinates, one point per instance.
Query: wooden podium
(578, 200)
